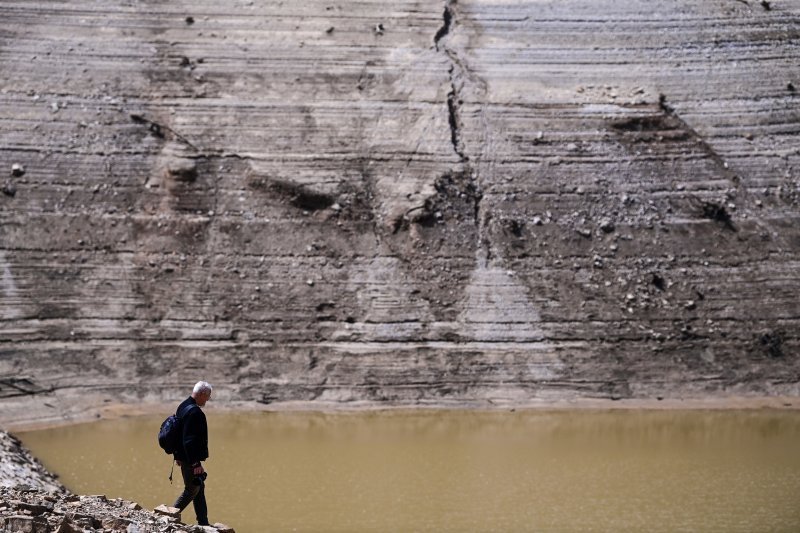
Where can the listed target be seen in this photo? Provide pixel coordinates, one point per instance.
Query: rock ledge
(32, 500)
(37, 511)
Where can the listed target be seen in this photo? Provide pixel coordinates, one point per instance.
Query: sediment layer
(412, 203)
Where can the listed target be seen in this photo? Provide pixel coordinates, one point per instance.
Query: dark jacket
(195, 432)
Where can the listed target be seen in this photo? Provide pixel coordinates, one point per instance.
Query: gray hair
(202, 387)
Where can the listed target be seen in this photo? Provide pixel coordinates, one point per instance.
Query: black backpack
(171, 432)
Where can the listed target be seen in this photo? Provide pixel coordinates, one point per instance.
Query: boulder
(165, 510)
(25, 524)
(17, 170)
(33, 509)
(115, 523)
(68, 526)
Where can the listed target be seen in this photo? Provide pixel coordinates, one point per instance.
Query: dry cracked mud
(418, 203)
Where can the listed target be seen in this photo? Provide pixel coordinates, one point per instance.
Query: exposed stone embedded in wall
(435, 203)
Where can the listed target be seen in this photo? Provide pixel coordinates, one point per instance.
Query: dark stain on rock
(9, 189)
(457, 192)
(51, 311)
(11, 387)
(650, 128)
(301, 196)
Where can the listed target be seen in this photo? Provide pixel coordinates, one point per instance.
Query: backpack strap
(185, 411)
(179, 415)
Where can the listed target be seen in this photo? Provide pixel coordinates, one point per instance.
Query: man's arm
(195, 438)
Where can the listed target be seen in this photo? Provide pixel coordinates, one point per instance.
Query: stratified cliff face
(406, 202)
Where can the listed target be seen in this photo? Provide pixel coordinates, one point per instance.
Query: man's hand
(197, 469)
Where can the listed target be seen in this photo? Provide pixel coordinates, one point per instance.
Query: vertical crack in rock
(445, 29)
(457, 74)
(453, 119)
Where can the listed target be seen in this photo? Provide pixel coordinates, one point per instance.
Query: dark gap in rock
(445, 29)
(642, 124)
(659, 282)
(718, 213)
(325, 305)
(515, 227)
(302, 197)
(452, 111)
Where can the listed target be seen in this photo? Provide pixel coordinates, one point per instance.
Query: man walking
(193, 450)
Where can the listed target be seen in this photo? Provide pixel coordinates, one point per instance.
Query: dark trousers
(193, 491)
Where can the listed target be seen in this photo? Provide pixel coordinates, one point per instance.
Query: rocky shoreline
(32, 500)
(18, 467)
(35, 511)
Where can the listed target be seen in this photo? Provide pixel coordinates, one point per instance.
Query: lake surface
(459, 471)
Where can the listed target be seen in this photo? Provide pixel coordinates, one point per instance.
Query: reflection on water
(459, 471)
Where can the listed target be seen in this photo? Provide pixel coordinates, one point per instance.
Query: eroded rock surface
(32, 500)
(24, 510)
(407, 202)
(19, 467)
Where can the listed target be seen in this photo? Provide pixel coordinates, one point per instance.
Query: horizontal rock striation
(418, 202)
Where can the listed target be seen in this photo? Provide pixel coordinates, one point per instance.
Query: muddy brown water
(454, 471)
